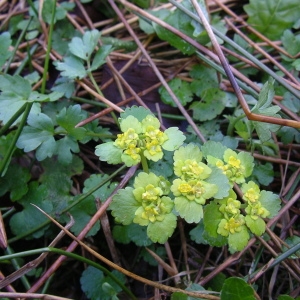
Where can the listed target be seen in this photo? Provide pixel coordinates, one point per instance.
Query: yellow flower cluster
(141, 138)
(251, 195)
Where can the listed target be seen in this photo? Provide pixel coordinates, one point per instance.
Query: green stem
(27, 59)
(90, 192)
(144, 163)
(47, 58)
(9, 153)
(33, 8)
(232, 124)
(16, 265)
(17, 45)
(16, 115)
(277, 260)
(71, 255)
(100, 93)
(81, 198)
(87, 101)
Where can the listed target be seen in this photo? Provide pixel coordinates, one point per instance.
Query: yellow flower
(151, 193)
(234, 162)
(231, 226)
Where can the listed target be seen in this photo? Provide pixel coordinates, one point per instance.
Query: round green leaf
(191, 211)
(236, 289)
(124, 206)
(109, 152)
(159, 232)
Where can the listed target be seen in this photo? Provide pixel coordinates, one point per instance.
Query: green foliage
(96, 286)
(272, 17)
(263, 173)
(15, 181)
(291, 42)
(5, 42)
(181, 89)
(60, 11)
(80, 63)
(204, 86)
(82, 213)
(292, 241)
(30, 218)
(211, 106)
(264, 107)
(15, 92)
(237, 288)
(187, 25)
(42, 135)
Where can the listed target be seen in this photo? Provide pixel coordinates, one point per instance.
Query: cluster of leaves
(155, 201)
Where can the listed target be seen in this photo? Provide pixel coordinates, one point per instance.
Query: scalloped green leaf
(271, 202)
(218, 178)
(138, 112)
(82, 214)
(124, 206)
(130, 122)
(180, 88)
(239, 240)
(143, 179)
(211, 219)
(65, 148)
(96, 286)
(104, 191)
(264, 173)
(100, 57)
(248, 162)
(40, 131)
(204, 77)
(191, 211)
(257, 226)
(272, 17)
(30, 218)
(196, 233)
(211, 105)
(72, 67)
(159, 232)
(120, 234)
(138, 235)
(15, 181)
(176, 139)
(190, 151)
(109, 152)
(214, 149)
(218, 241)
(237, 289)
(84, 47)
(5, 42)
